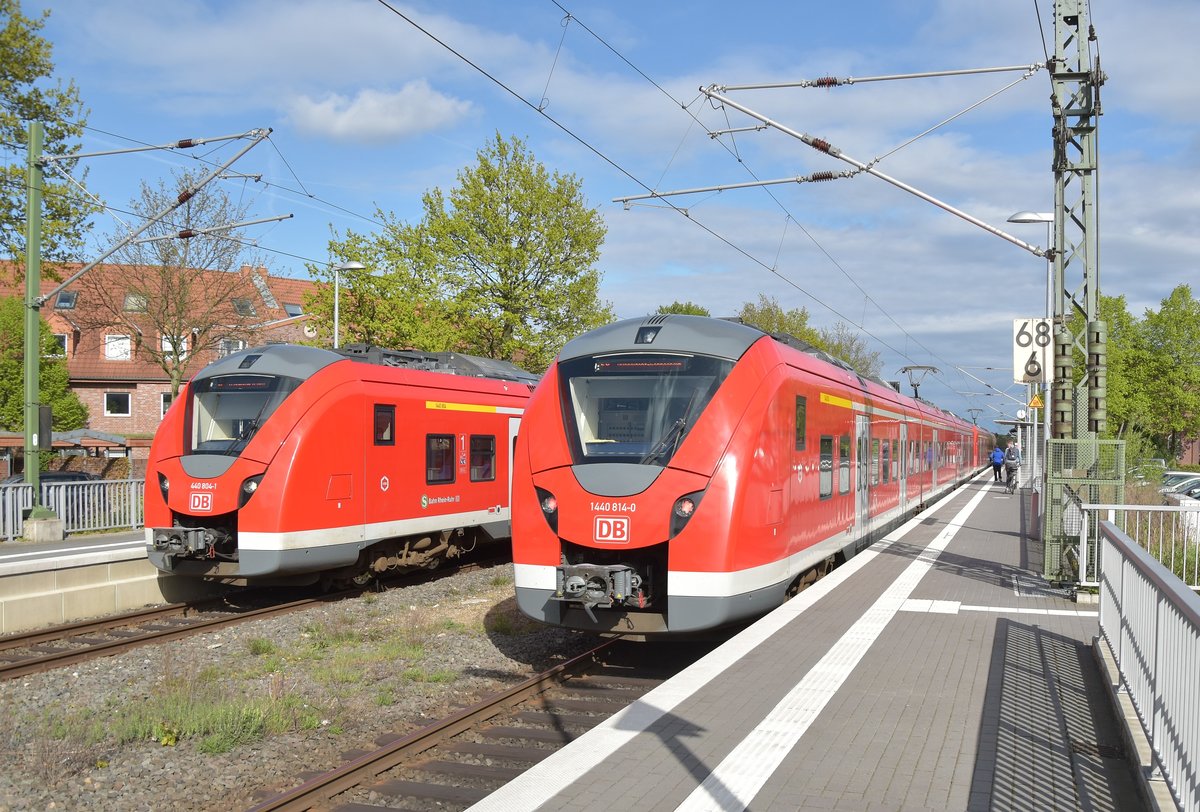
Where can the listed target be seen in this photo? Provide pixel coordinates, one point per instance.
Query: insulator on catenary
(827, 81)
(817, 177)
(820, 144)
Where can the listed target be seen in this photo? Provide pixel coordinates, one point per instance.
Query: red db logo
(201, 502)
(612, 530)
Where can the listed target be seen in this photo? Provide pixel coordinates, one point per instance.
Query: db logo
(201, 502)
(612, 529)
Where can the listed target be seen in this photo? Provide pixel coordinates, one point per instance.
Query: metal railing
(1170, 534)
(1152, 624)
(84, 507)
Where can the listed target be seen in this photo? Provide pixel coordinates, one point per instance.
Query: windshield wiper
(669, 440)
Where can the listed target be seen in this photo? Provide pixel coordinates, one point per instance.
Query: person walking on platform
(997, 463)
(1012, 462)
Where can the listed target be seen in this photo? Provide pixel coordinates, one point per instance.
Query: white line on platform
(954, 607)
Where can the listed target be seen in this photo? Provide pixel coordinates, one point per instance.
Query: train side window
(886, 467)
(874, 463)
(439, 458)
(385, 424)
(826, 468)
(844, 464)
(801, 421)
(483, 458)
(895, 459)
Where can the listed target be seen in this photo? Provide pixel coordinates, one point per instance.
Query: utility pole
(1075, 83)
(33, 327)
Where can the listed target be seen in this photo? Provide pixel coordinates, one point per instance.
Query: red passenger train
(290, 463)
(678, 473)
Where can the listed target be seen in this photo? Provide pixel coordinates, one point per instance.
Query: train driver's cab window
(385, 424)
(228, 410)
(483, 458)
(636, 408)
(826, 472)
(439, 458)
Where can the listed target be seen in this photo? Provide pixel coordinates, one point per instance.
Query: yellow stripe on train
(442, 405)
(834, 400)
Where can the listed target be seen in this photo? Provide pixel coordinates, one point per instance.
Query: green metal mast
(33, 331)
(1075, 100)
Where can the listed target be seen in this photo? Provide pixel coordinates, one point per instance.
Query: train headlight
(683, 510)
(249, 487)
(164, 486)
(549, 505)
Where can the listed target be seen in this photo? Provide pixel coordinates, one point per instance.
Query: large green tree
(26, 95)
(683, 309)
(68, 411)
(501, 266)
(770, 317)
(1167, 360)
(843, 341)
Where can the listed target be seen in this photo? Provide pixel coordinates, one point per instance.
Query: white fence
(1169, 533)
(1152, 624)
(84, 507)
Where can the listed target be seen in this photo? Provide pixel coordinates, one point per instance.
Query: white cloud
(375, 116)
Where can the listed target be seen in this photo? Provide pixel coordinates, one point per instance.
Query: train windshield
(636, 407)
(227, 410)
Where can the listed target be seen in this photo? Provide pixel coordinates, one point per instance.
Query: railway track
(41, 650)
(461, 759)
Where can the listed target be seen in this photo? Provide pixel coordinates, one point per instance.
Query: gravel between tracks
(347, 671)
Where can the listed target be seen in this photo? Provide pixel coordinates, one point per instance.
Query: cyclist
(1012, 462)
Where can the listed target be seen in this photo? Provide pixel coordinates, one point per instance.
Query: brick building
(111, 327)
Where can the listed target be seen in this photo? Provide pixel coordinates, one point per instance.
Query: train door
(514, 424)
(862, 503)
(935, 458)
(902, 459)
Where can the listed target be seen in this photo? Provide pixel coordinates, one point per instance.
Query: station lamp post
(337, 282)
(1046, 217)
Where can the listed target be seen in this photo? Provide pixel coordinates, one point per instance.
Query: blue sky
(368, 113)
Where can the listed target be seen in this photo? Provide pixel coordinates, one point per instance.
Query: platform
(934, 671)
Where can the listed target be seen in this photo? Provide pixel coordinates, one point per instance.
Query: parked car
(1180, 484)
(52, 477)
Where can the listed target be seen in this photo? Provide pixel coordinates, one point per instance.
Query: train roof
(301, 361)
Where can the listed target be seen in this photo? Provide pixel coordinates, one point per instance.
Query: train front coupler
(593, 585)
(187, 543)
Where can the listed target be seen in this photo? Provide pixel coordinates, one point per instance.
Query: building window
(65, 300)
(385, 424)
(244, 307)
(483, 458)
(292, 309)
(117, 348)
(801, 421)
(116, 404)
(135, 302)
(166, 398)
(439, 458)
(176, 348)
(228, 346)
(60, 345)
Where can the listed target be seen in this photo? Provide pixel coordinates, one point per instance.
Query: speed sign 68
(1033, 350)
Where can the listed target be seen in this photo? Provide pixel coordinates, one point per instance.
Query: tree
(67, 410)
(1169, 363)
(179, 297)
(842, 341)
(683, 308)
(25, 64)
(502, 266)
(770, 317)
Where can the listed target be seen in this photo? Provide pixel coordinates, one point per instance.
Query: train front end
(213, 454)
(624, 488)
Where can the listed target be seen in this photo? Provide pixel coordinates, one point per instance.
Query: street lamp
(337, 279)
(1046, 217)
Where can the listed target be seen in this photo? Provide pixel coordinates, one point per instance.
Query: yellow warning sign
(1036, 403)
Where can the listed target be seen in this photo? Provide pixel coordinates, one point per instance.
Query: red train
(677, 473)
(289, 463)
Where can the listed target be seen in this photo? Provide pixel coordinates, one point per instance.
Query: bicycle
(1010, 482)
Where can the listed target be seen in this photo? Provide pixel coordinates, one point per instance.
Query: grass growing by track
(344, 664)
